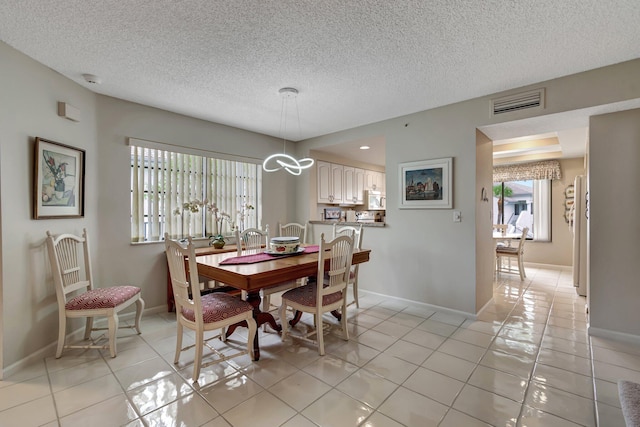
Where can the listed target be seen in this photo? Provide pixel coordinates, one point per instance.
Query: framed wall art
(58, 180)
(426, 184)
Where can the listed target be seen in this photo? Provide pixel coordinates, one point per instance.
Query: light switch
(457, 216)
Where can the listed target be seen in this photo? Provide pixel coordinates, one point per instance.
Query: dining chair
(292, 229)
(356, 234)
(252, 241)
(77, 296)
(322, 296)
(203, 313)
(510, 252)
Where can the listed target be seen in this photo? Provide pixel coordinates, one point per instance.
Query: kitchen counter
(364, 224)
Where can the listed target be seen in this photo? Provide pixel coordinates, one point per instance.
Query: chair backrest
(70, 263)
(523, 239)
(347, 230)
(253, 240)
(186, 290)
(334, 264)
(294, 229)
(502, 228)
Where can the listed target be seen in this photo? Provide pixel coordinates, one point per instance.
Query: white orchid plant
(195, 205)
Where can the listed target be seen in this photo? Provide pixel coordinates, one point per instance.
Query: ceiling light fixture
(284, 160)
(364, 147)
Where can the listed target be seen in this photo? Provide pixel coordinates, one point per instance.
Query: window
(522, 204)
(162, 181)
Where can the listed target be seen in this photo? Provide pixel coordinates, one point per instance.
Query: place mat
(255, 258)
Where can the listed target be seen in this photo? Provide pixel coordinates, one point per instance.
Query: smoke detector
(93, 79)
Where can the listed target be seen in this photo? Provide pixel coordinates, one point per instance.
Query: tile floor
(527, 361)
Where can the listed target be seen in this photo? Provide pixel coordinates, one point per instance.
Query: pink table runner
(254, 258)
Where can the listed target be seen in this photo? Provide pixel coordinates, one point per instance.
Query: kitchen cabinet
(338, 184)
(353, 185)
(374, 180)
(330, 182)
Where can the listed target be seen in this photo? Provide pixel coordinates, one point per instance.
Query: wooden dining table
(254, 277)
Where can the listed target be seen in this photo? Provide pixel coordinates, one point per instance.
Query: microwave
(375, 200)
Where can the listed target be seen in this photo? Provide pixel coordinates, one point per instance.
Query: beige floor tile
(337, 409)
(433, 385)
(450, 366)
(486, 406)
(367, 387)
(413, 409)
(300, 390)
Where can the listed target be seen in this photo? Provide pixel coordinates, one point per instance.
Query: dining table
(268, 270)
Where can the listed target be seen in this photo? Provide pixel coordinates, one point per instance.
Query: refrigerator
(579, 221)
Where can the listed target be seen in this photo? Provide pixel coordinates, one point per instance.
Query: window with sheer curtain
(162, 181)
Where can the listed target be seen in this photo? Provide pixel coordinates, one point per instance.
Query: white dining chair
(78, 297)
(292, 229)
(202, 313)
(252, 241)
(510, 252)
(323, 296)
(356, 234)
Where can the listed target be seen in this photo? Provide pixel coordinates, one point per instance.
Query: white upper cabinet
(338, 184)
(330, 182)
(374, 180)
(353, 185)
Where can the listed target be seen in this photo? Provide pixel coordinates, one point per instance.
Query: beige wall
(484, 220)
(614, 227)
(559, 250)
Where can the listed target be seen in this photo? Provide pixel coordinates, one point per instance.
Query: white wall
(614, 224)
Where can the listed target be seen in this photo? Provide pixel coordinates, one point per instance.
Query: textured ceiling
(353, 62)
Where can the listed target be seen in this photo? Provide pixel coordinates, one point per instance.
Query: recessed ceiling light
(364, 147)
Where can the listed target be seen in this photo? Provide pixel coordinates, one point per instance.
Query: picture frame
(569, 192)
(426, 184)
(332, 213)
(58, 180)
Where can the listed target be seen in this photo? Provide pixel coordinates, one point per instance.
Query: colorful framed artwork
(58, 180)
(426, 184)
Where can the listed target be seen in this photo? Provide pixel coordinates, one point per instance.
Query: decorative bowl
(284, 245)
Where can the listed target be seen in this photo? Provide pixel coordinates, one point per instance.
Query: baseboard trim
(50, 349)
(618, 336)
(424, 304)
(484, 307)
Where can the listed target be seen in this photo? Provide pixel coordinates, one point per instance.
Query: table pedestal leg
(261, 317)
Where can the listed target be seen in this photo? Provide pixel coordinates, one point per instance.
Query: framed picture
(569, 192)
(58, 181)
(426, 184)
(332, 213)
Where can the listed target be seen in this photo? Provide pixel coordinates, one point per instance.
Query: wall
(484, 220)
(560, 249)
(120, 119)
(614, 228)
(28, 108)
(421, 254)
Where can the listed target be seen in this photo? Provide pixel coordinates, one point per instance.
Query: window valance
(549, 169)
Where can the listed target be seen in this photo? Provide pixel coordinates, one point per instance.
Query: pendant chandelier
(275, 162)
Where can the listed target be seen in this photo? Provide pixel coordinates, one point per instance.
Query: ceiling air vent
(519, 101)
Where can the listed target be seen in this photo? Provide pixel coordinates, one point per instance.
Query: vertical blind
(162, 181)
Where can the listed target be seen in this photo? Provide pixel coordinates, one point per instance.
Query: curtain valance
(549, 169)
